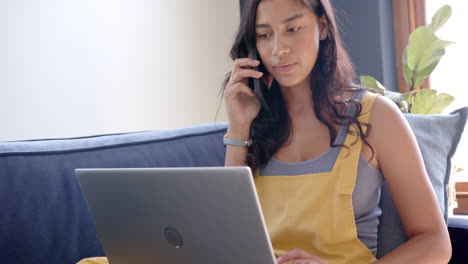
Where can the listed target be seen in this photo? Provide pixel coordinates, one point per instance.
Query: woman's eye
(294, 29)
(267, 35)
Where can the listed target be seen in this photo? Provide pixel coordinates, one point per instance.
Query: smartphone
(256, 84)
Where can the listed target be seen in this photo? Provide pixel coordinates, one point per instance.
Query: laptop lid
(177, 215)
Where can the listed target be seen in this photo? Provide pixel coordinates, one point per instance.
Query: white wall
(74, 68)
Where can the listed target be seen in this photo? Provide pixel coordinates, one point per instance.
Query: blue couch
(44, 216)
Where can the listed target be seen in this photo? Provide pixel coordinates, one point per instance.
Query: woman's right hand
(241, 103)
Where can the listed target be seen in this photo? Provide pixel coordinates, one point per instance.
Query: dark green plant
(420, 58)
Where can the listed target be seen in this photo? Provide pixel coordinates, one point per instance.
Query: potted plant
(420, 58)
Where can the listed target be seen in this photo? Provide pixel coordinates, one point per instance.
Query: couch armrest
(458, 229)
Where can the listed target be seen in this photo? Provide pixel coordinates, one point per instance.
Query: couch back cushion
(44, 216)
(438, 137)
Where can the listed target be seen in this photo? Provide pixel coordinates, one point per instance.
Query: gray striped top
(366, 193)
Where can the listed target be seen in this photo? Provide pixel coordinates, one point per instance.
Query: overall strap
(367, 103)
(350, 154)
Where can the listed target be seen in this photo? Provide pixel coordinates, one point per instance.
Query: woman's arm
(236, 155)
(242, 107)
(403, 168)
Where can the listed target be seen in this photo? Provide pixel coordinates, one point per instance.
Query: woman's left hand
(298, 256)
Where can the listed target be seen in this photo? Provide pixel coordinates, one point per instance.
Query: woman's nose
(280, 48)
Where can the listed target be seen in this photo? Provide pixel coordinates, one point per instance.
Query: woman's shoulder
(382, 112)
(388, 124)
(383, 108)
(388, 129)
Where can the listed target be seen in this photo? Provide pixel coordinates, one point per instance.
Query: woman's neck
(299, 100)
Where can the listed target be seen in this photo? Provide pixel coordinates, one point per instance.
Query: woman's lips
(285, 68)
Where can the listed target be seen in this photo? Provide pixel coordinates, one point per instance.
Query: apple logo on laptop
(173, 237)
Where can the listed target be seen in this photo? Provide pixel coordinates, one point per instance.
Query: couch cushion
(44, 216)
(458, 230)
(438, 137)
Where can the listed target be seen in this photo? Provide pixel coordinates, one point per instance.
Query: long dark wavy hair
(332, 84)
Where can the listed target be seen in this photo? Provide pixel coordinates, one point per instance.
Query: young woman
(318, 183)
(320, 146)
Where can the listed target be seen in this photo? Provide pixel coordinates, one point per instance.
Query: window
(450, 77)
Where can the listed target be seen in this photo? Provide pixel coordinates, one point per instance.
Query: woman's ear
(323, 25)
(267, 80)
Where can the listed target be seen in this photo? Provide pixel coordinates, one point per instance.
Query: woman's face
(288, 37)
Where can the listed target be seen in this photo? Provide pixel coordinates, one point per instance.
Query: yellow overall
(314, 212)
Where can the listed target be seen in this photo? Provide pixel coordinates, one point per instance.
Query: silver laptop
(177, 215)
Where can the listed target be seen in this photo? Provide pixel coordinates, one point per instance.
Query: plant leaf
(395, 96)
(404, 107)
(443, 100)
(424, 48)
(440, 17)
(399, 99)
(408, 74)
(370, 82)
(408, 97)
(427, 102)
(414, 79)
(424, 73)
(423, 100)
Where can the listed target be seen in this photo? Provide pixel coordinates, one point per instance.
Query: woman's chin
(288, 81)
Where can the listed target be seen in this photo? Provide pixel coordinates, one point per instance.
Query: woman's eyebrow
(282, 22)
